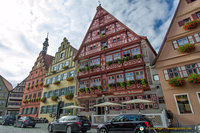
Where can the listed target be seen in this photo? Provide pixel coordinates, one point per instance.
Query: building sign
(86, 96)
(127, 92)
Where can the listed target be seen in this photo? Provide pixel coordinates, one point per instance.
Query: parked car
(7, 120)
(125, 122)
(25, 121)
(1, 118)
(69, 124)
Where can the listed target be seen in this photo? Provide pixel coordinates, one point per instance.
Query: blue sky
(24, 25)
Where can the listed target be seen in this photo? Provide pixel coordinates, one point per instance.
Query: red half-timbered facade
(34, 85)
(113, 65)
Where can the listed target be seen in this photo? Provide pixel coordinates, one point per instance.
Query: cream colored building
(59, 82)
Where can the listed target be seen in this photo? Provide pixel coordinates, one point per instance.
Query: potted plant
(33, 100)
(56, 82)
(99, 87)
(86, 89)
(46, 85)
(186, 48)
(109, 87)
(41, 83)
(194, 78)
(54, 98)
(28, 100)
(90, 89)
(103, 48)
(69, 96)
(44, 99)
(143, 82)
(190, 25)
(70, 78)
(138, 56)
(101, 35)
(128, 83)
(177, 82)
(38, 98)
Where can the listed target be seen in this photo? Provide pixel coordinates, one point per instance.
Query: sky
(24, 25)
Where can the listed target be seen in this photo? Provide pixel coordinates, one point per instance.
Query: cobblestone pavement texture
(39, 128)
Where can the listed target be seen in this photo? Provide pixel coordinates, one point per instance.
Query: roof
(162, 45)
(99, 7)
(48, 59)
(7, 83)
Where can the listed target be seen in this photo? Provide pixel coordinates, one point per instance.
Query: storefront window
(183, 104)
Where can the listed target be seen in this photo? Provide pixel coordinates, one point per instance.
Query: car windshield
(30, 118)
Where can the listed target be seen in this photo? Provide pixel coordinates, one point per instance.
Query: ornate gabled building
(34, 84)
(114, 65)
(5, 89)
(15, 99)
(60, 82)
(178, 64)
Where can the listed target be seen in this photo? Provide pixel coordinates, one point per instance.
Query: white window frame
(189, 104)
(198, 96)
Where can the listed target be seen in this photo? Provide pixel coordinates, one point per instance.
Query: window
(111, 79)
(126, 53)
(103, 32)
(50, 94)
(2, 102)
(129, 76)
(94, 62)
(108, 58)
(62, 55)
(135, 51)
(114, 40)
(117, 56)
(197, 37)
(186, 20)
(84, 84)
(183, 104)
(1, 87)
(161, 100)
(95, 82)
(173, 72)
(30, 96)
(182, 41)
(139, 75)
(83, 64)
(54, 109)
(63, 91)
(26, 97)
(120, 78)
(104, 44)
(198, 96)
(118, 39)
(56, 92)
(198, 14)
(34, 95)
(155, 77)
(118, 118)
(192, 69)
(45, 94)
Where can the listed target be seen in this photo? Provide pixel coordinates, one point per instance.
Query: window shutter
(47, 94)
(184, 71)
(197, 37)
(179, 69)
(188, 1)
(166, 75)
(59, 93)
(195, 16)
(191, 39)
(181, 23)
(175, 44)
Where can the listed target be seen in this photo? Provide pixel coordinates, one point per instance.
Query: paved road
(39, 128)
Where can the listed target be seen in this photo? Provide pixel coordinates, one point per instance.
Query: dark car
(25, 122)
(134, 123)
(70, 124)
(7, 120)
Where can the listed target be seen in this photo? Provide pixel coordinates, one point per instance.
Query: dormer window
(62, 55)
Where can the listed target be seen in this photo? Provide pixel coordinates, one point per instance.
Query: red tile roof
(7, 83)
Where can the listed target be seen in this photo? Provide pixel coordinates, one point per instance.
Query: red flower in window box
(69, 96)
(177, 82)
(190, 25)
(194, 78)
(186, 48)
(56, 82)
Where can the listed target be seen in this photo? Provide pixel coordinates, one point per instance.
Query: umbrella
(137, 101)
(73, 107)
(107, 104)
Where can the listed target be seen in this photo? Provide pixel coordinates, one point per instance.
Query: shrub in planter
(143, 82)
(108, 63)
(125, 58)
(79, 90)
(198, 21)
(118, 83)
(177, 82)
(28, 100)
(38, 99)
(99, 87)
(98, 65)
(33, 100)
(56, 82)
(41, 83)
(186, 48)
(132, 81)
(122, 84)
(194, 78)
(138, 56)
(46, 85)
(44, 99)
(36, 85)
(90, 89)
(101, 35)
(128, 83)
(25, 101)
(86, 89)
(109, 87)
(190, 25)
(54, 98)
(69, 96)
(70, 78)
(103, 48)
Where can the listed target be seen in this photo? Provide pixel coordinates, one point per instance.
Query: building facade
(114, 66)
(34, 84)
(15, 99)
(60, 82)
(178, 64)
(5, 89)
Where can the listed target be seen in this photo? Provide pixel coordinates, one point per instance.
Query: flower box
(177, 82)
(70, 78)
(186, 48)
(190, 25)
(46, 85)
(33, 100)
(65, 67)
(69, 96)
(44, 99)
(41, 83)
(53, 71)
(194, 78)
(37, 99)
(32, 87)
(56, 82)
(28, 88)
(36, 85)
(54, 98)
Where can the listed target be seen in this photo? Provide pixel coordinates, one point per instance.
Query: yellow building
(60, 82)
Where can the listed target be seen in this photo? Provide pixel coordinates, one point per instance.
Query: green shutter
(45, 109)
(47, 94)
(60, 91)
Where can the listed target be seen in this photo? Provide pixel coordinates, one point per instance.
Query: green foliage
(190, 25)
(44, 99)
(86, 89)
(186, 48)
(90, 89)
(128, 83)
(69, 96)
(122, 84)
(101, 35)
(99, 87)
(109, 87)
(177, 82)
(194, 78)
(54, 98)
(103, 48)
(143, 82)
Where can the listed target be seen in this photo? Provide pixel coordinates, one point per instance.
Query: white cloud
(24, 25)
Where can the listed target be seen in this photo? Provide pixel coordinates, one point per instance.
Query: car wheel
(3, 123)
(103, 130)
(69, 129)
(84, 131)
(33, 126)
(50, 128)
(139, 130)
(22, 125)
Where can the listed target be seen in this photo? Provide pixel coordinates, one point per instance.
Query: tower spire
(45, 45)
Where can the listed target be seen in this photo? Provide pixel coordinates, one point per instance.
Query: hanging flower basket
(54, 98)
(46, 85)
(186, 48)
(41, 83)
(69, 96)
(44, 99)
(70, 78)
(177, 82)
(194, 78)
(190, 25)
(56, 82)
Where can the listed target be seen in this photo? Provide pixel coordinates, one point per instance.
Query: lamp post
(59, 108)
